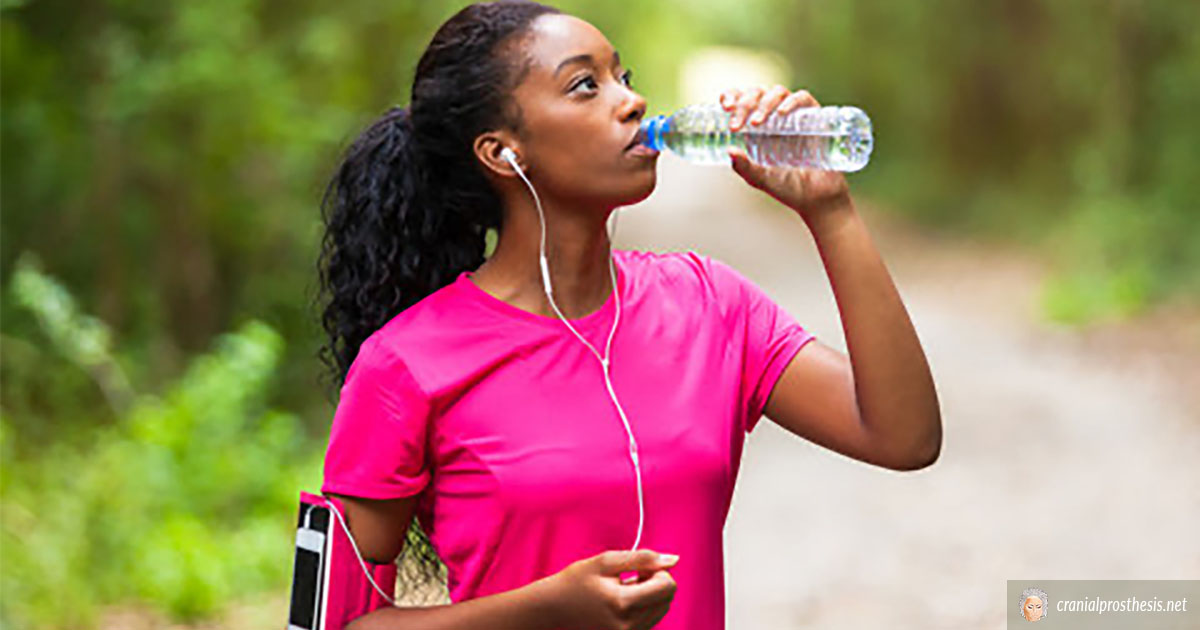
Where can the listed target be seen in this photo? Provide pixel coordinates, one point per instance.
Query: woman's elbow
(929, 451)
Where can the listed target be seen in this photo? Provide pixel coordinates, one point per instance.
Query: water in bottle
(834, 138)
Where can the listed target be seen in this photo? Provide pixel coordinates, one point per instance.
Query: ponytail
(376, 257)
(409, 208)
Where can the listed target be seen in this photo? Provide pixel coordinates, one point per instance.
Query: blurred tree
(1067, 125)
(165, 160)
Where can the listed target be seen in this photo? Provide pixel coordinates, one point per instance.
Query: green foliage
(165, 160)
(185, 503)
(82, 339)
(1066, 125)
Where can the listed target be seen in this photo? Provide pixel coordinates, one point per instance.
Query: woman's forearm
(893, 386)
(531, 607)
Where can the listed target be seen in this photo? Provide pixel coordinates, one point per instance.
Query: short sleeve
(377, 442)
(770, 336)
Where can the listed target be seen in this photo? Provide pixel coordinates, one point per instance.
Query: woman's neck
(577, 252)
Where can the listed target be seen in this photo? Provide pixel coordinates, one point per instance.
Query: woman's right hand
(589, 592)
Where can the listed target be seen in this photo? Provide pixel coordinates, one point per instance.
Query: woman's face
(1033, 608)
(579, 116)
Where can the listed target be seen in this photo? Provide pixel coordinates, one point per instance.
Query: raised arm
(879, 403)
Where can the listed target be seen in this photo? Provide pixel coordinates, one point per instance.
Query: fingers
(643, 610)
(649, 601)
(768, 103)
(643, 603)
(616, 561)
(643, 560)
(746, 168)
(740, 104)
(745, 104)
(754, 105)
(656, 590)
(729, 97)
(798, 99)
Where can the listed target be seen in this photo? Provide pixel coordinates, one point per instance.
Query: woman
(505, 420)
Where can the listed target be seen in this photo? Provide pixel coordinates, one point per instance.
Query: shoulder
(378, 362)
(418, 329)
(670, 266)
(700, 276)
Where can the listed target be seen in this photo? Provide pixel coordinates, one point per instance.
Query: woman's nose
(633, 107)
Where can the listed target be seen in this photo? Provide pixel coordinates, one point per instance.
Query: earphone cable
(604, 360)
(354, 546)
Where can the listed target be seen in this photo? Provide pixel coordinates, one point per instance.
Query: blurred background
(1033, 189)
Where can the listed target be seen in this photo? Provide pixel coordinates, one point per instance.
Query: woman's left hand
(809, 192)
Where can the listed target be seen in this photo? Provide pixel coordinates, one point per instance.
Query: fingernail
(756, 118)
(668, 558)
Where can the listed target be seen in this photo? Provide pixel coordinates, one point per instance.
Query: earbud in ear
(511, 156)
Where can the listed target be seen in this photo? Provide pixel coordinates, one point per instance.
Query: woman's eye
(584, 81)
(626, 78)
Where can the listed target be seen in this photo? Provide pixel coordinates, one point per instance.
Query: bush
(184, 504)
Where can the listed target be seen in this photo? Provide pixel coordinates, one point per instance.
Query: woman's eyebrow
(584, 57)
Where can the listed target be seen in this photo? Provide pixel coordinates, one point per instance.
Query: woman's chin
(647, 181)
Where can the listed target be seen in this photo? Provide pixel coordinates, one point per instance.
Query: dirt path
(1066, 455)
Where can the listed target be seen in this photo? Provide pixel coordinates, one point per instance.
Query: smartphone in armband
(310, 571)
(331, 583)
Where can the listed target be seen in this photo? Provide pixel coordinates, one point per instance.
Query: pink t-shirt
(501, 420)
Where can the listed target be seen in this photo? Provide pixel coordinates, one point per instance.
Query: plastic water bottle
(836, 138)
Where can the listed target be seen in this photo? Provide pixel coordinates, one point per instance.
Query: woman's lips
(641, 150)
(639, 137)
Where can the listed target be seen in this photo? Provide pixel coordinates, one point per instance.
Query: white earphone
(509, 155)
(605, 361)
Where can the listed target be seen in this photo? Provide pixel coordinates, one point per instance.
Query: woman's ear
(489, 149)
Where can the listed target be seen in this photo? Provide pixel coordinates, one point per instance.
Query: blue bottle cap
(652, 130)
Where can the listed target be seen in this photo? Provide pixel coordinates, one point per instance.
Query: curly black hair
(409, 207)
